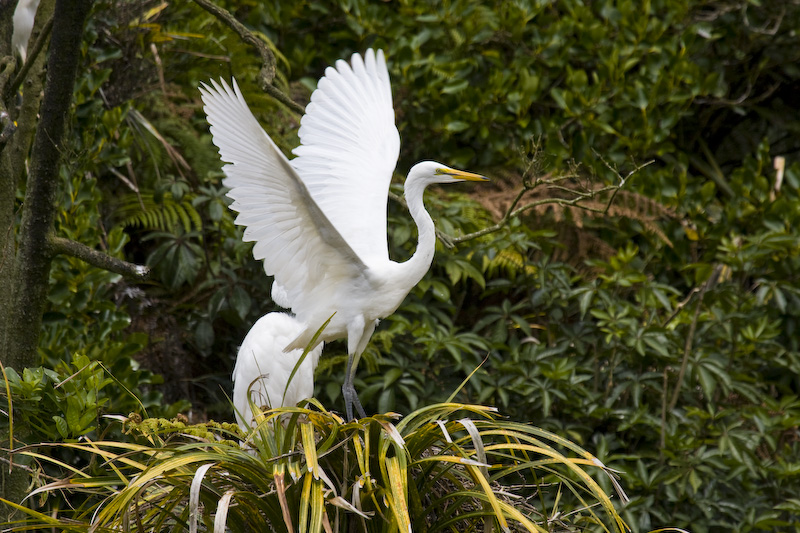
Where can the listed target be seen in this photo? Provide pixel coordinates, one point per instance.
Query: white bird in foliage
(24, 15)
(262, 370)
(319, 220)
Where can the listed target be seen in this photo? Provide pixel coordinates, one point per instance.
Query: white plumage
(263, 370)
(24, 15)
(319, 221)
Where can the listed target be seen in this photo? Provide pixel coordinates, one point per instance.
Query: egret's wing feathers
(349, 149)
(297, 242)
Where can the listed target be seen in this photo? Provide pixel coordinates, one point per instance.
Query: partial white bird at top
(24, 14)
(319, 220)
(262, 370)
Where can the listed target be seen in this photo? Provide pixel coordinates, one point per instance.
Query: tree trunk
(13, 159)
(34, 256)
(7, 179)
(31, 266)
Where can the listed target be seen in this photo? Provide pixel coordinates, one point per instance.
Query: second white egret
(262, 370)
(319, 220)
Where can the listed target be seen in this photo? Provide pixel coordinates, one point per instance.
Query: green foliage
(446, 466)
(483, 77)
(142, 211)
(698, 394)
(63, 403)
(660, 336)
(691, 383)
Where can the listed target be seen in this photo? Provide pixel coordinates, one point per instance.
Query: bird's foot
(350, 400)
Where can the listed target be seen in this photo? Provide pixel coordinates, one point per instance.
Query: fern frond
(457, 36)
(442, 73)
(511, 262)
(142, 211)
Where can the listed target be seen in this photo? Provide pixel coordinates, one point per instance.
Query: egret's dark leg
(358, 333)
(349, 392)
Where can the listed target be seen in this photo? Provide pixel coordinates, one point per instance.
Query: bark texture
(29, 267)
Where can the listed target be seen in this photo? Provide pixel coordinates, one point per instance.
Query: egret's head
(433, 172)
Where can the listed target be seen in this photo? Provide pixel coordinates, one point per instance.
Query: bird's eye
(439, 171)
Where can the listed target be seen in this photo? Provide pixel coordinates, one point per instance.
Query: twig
(687, 348)
(267, 73)
(711, 170)
(60, 245)
(551, 182)
(680, 306)
(160, 70)
(581, 196)
(450, 241)
(621, 179)
(664, 384)
(11, 464)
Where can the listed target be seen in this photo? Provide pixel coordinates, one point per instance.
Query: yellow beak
(464, 175)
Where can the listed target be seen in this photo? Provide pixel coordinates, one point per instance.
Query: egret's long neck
(420, 262)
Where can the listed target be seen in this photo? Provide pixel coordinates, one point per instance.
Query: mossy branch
(32, 269)
(60, 245)
(267, 73)
(7, 125)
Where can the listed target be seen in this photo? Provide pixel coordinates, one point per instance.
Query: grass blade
(221, 517)
(397, 485)
(194, 495)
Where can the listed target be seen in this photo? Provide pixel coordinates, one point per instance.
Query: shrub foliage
(655, 326)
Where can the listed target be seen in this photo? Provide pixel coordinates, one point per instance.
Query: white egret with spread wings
(319, 220)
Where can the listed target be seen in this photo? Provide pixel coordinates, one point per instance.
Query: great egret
(262, 370)
(319, 220)
(24, 14)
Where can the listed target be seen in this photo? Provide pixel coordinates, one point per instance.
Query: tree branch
(33, 258)
(25, 115)
(60, 245)
(267, 73)
(710, 282)
(622, 179)
(551, 182)
(7, 65)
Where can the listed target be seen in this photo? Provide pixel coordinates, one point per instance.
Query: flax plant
(445, 467)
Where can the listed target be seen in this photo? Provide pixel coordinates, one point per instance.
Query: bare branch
(550, 182)
(60, 245)
(622, 179)
(558, 201)
(576, 201)
(267, 73)
(679, 307)
(710, 282)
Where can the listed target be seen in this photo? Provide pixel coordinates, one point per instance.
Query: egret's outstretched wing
(349, 149)
(298, 244)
